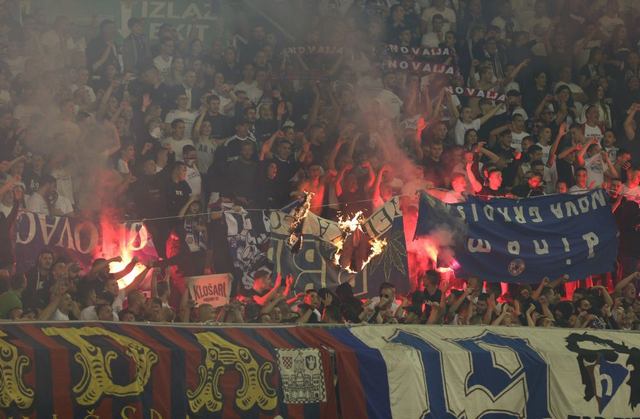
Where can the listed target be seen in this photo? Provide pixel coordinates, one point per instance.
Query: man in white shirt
(466, 122)
(163, 61)
(249, 85)
(183, 113)
(581, 185)
(517, 131)
(435, 36)
(194, 179)
(611, 19)
(61, 206)
(438, 7)
(596, 162)
(177, 141)
(38, 202)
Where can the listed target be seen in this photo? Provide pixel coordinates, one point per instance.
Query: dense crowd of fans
(170, 128)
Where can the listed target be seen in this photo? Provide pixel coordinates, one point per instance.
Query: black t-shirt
(31, 181)
(627, 216)
(177, 195)
(150, 197)
(487, 191)
(436, 172)
(221, 126)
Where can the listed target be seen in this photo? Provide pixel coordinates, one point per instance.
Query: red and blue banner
(111, 370)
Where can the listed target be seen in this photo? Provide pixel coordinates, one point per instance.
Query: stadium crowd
(170, 128)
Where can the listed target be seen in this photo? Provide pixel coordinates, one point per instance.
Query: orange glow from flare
(118, 266)
(432, 251)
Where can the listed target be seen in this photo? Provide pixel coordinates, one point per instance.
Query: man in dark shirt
(178, 190)
(434, 167)
(283, 159)
(508, 156)
(102, 51)
(151, 203)
(241, 175)
(221, 126)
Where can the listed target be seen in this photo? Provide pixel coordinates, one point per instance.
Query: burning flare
(354, 249)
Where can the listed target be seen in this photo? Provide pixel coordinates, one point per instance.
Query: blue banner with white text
(527, 239)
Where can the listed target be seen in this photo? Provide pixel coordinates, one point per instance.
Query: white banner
(210, 289)
(525, 372)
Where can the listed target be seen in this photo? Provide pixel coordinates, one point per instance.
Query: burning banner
(82, 240)
(355, 249)
(325, 242)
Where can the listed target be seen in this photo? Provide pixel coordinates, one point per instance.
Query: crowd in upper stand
(165, 128)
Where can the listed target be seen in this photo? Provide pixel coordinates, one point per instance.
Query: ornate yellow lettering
(155, 414)
(123, 411)
(220, 354)
(12, 388)
(97, 377)
(91, 414)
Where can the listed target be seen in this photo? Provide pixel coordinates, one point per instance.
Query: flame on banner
(295, 229)
(113, 245)
(352, 236)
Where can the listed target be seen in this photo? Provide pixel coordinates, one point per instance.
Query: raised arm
(630, 122)
(266, 147)
(612, 171)
(484, 118)
(493, 134)
(371, 180)
(626, 281)
(475, 185)
(554, 148)
(582, 151)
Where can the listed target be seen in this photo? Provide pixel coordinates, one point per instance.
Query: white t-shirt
(593, 132)
(5, 209)
(577, 190)
(448, 14)
(63, 205)
(595, 170)
(517, 140)
(550, 178)
(36, 203)
(612, 152)
(545, 152)
(122, 167)
(462, 127)
(176, 146)
(390, 103)
(89, 313)
(64, 183)
(59, 316)
(188, 117)
(254, 93)
(431, 39)
(194, 180)
(205, 150)
(607, 24)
